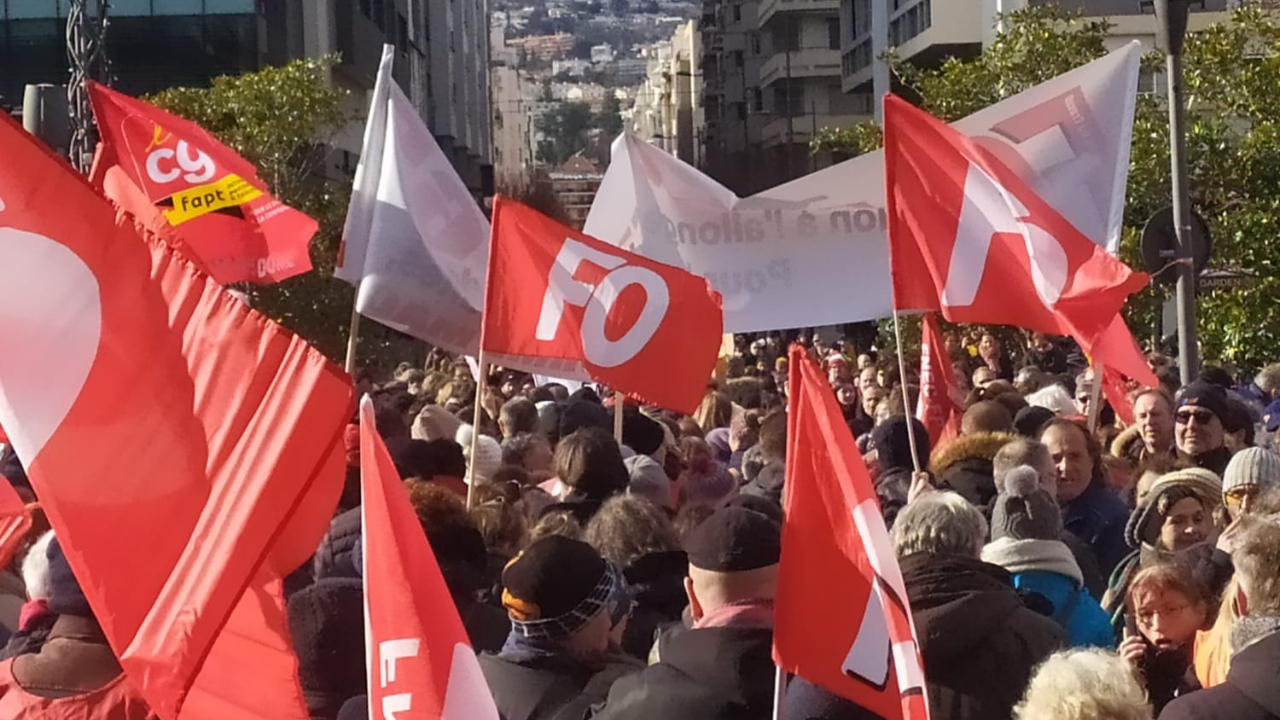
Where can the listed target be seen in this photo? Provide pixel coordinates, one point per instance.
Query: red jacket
(114, 701)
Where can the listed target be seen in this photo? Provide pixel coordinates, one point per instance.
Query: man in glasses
(1198, 431)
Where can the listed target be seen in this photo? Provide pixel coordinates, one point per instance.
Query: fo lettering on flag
(838, 563)
(646, 329)
(421, 665)
(179, 182)
(968, 237)
(215, 438)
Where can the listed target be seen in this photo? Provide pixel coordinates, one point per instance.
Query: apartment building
(668, 109)
(575, 184)
(732, 115)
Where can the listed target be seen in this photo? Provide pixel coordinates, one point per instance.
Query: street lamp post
(1171, 20)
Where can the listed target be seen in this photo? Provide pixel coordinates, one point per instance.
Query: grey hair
(1268, 378)
(1255, 552)
(1019, 452)
(1090, 684)
(940, 523)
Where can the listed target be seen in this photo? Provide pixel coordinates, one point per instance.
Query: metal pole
(1171, 18)
(1188, 349)
(790, 110)
(86, 51)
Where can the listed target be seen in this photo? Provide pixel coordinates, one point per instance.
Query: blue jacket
(1098, 517)
(1086, 622)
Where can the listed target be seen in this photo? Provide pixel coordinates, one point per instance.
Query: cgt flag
(968, 237)
(180, 183)
(841, 614)
(421, 665)
(646, 329)
(221, 434)
(941, 403)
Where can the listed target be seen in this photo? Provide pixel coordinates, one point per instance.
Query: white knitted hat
(1252, 466)
(488, 455)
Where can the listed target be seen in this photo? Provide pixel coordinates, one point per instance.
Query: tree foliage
(1232, 81)
(564, 127)
(610, 118)
(282, 120)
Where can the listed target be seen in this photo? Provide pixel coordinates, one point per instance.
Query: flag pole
(906, 399)
(1095, 398)
(353, 337)
(618, 400)
(779, 691)
(483, 371)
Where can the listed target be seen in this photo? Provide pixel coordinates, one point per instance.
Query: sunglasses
(1235, 497)
(1203, 417)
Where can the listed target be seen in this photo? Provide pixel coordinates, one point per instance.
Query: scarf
(1019, 556)
(1249, 630)
(741, 614)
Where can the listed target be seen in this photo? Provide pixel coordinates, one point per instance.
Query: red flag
(15, 521)
(421, 665)
(1116, 391)
(940, 407)
(182, 184)
(841, 618)
(181, 444)
(968, 237)
(646, 329)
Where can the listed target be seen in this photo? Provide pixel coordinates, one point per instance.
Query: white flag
(814, 251)
(415, 244)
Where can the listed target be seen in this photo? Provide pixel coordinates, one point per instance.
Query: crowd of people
(1054, 571)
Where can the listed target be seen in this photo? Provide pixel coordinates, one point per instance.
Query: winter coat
(1098, 517)
(546, 686)
(964, 465)
(74, 676)
(806, 701)
(1167, 674)
(1047, 568)
(724, 672)
(892, 488)
(1129, 445)
(979, 642)
(1215, 461)
(1250, 692)
(333, 557)
(657, 584)
(769, 482)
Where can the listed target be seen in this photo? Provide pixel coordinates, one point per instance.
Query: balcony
(802, 125)
(769, 8)
(805, 63)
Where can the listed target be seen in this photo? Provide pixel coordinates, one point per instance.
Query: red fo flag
(179, 182)
(841, 615)
(421, 665)
(940, 407)
(183, 447)
(969, 238)
(646, 329)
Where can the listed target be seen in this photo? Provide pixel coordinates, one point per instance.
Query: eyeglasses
(1236, 496)
(1202, 417)
(1145, 618)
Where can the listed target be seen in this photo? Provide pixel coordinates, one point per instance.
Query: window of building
(366, 8)
(214, 7)
(737, 12)
(738, 59)
(833, 33)
(180, 7)
(380, 14)
(741, 109)
(755, 43)
(402, 33)
(757, 100)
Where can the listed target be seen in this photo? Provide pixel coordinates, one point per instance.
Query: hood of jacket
(736, 661)
(957, 602)
(1128, 444)
(965, 465)
(982, 446)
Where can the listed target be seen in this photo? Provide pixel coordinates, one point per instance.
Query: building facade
(733, 109)
(575, 184)
(668, 110)
(441, 61)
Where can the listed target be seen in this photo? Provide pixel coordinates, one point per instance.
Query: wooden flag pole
(353, 338)
(906, 399)
(618, 401)
(483, 371)
(1095, 398)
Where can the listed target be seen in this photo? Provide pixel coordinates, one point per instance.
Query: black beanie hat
(893, 447)
(326, 625)
(734, 539)
(577, 414)
(551, 578)
(1206, 395)
(65, 595)
(1029, 421)
(640, 433)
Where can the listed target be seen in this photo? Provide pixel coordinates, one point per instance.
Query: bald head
(709, 591)
(986, 416)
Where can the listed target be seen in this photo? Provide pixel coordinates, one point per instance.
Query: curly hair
(628, 527)
(1090, 684)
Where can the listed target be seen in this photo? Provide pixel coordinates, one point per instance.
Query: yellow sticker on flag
(227, 192)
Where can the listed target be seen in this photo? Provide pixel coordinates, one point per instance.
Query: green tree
(564, 127)
(610, 118)
(1232, 80)
(282, 120)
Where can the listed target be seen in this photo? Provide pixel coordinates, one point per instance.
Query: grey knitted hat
(1252, 466)
(1025, 511)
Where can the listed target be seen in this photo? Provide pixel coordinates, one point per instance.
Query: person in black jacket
(721, 667)
(978, 641)
(1250, 691)
(564, 603)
